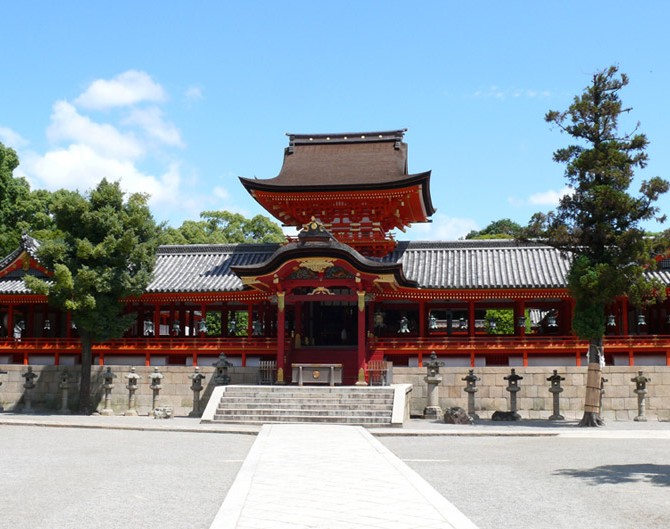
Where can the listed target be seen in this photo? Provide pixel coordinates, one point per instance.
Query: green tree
(21, 210)
(223, 227)
(498, 229)
(106, 252)
(599, 222)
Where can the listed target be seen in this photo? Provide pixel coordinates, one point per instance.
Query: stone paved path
(328, 476)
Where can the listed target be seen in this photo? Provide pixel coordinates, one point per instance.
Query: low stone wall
(175, 392)
(534, 400)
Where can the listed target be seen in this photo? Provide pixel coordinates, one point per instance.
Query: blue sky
(178, 99)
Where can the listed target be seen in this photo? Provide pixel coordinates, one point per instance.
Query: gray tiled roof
(482, 264)
(487, 264)
(203, 267)
(454, 265)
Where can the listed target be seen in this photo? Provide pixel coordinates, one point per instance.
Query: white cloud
(549, 198)
(194, 93)
(495, 92)
(151, 121)
(442, 228)
(69, 126)
(12, 138)
(126, 89)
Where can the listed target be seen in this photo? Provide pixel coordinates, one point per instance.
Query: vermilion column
(361, 330)
(471, 318)
(281, 332)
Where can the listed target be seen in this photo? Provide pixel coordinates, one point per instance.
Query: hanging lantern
(611, 320)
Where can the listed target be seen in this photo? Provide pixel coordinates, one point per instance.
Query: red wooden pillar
(298, 325)
(519, 312)
(139, 320)
(250, 320)
(422, 318)
(30, 327)
(10, 321)
(281, 332)
(361, 330)
(471, 318)
(157, 320)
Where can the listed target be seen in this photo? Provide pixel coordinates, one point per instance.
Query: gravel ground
(61, 478)
(547, 482)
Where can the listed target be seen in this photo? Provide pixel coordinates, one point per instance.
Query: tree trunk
(85, 383)
(592, 400)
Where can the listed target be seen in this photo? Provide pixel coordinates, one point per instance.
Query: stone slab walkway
(328, 476)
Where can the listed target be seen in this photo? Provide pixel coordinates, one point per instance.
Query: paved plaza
(109, 472)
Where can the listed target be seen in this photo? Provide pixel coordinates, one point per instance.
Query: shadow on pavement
(615, 474)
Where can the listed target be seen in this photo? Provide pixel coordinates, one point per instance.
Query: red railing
(518, 346)
(378, 348)
(182, 347)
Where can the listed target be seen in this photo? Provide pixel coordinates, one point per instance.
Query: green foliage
(105, 252)
(599, 222)
(223, 227)
(498, 229)
(504, 319)
(21, 210)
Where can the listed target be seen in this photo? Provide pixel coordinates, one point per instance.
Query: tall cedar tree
(599, 222)
(105, 254)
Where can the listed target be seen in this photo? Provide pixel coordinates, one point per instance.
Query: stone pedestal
(433, 410)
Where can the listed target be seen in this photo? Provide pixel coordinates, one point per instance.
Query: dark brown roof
(363, 160)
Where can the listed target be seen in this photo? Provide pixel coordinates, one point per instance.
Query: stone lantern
(133, 379)
(156, 379)
(29, 385)
(108, 384)
(222, 364)
(471, 388)
(555, 389)
(641, 392)
(433, 379)
(64, 386)
(196, 387)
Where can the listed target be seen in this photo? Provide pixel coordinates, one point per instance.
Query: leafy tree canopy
(21, 210)
(105, 252)
(223, 227)
(498, 229)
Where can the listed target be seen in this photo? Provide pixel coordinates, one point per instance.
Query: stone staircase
(365, 406)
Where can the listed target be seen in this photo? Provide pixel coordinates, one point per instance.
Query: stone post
(108, 384)
(433, 379)
(2, 373)
(222, 364)
(513, 388)
(29, 385)
(156, 386)
(64, 386)
(133, 379)
(641, 391)
(196, 387)
(602, 393)
(471, 388)
(555, 389)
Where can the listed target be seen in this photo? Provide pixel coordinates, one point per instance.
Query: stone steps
(331, 404)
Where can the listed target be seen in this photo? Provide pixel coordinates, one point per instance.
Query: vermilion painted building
(344, 291)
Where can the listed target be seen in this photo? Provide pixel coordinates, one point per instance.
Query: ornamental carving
(316, 265)
(337, 272)
(303, 273)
